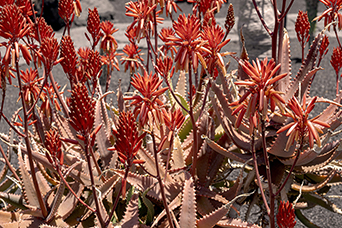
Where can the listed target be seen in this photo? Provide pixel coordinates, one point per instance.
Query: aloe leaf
(177, 154)
(306, 67)
(187, 217)
(231, 155)
(150, 165)
(70, 202)
(150, 207)
(13, 199)
(183, 101)
(285, 63)
(102, 137)
(176, 202)
(181, 84)
(213, 218)
(56, 201)
(6, 216)
(304, 219)
(131, 217)
(323, 202)
(29, 192)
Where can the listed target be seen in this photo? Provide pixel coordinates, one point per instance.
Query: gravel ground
(324, 85)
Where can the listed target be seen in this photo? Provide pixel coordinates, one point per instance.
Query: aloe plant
(188, 154)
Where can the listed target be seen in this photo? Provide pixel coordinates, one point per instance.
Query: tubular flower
(214, 36)
(301, 126)
(128, 142)
(25, 7)
(108, 42)
(69, 56)
(142, 12)
(169, 5)
(259, 90)
(188, 40)
(148, 85)
(132, 58)
(209, 19)
(286, 216)
(82, 108)
(53, 145)
(31, 86)
(331, 13)
(302, 27)
(93, 26)
(13, 27)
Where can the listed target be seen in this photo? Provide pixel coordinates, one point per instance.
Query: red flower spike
(82, 108)
(90, 62)
(259, 89)
(302, 127)
(230, 19)
(164, 67)
(188, 40)
(108, 42)
(69, 54)
(302, 27)
(13, 27)
(149, 87)
(286, 215)
(204, 5)
(65, 10)
(173, 120)
(323, 50)
(132, 58)
(50, 50)
(213, 36)
(163, 35)
(128, 142)
(111, 61)
(93, 25)
(47, 96)
(31, 86)
(54, 145)
(336, 60)
(45, 30)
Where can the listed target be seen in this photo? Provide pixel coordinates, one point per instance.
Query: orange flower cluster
(301, 125)
(259, 91)
(148, 85)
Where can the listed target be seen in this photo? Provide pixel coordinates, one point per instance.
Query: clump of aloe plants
(184, 154)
